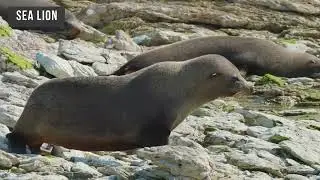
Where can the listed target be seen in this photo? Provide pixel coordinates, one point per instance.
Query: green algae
(16, 59)
(270, 79)
(125, 24)
(287, 41)
(314, 127)
(277, 139)
(5, 31)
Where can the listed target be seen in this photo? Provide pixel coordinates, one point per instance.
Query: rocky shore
(272, 134)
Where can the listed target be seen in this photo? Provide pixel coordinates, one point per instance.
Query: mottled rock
(80, 51)
(252, 161)
(103, 69)
(122, 41)
(81, 70)
(244, 143)
(7, 160)
(179, 160)
(9, 114)
(307, 152)
(34, 176)
(295, 177)
(55, 65)
(18, 78)
(82, 170)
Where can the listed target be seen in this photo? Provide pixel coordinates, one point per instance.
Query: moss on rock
(16, 59)
(270, 79)
(277, 139)
(287, 41)
(5, 31)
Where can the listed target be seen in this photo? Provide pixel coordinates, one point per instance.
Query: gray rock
(34, 176)
(4, 130)
(308, 152)
(297, 112)
(257, 131)
(18, 78)
(46, 165)
(255, 118)
(295, 177)
(81, 70)
(9, 114)
(302, 80)
(55, 65)
(122, 41)
(244, 143)
(251, 161)
(7, 160)
(103, 69)
(179, 160)
(83, 171)
(80, 51)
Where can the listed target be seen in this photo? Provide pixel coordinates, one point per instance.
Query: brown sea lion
(251, 55)
(123, 112)
(71, 25)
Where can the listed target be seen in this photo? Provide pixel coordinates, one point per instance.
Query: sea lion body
(71, 25)
(123, 112)
(252, 55)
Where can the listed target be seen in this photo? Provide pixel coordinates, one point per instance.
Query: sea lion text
(39, 15)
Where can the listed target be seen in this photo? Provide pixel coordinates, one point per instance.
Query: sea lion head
(306, 65)
(216, 77)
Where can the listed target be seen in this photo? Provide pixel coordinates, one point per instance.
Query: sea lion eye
(214, 75)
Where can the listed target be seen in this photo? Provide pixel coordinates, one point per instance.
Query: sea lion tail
(16, 143)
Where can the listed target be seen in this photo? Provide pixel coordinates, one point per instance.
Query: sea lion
(71, 26)
(115, 113)
(251, 55)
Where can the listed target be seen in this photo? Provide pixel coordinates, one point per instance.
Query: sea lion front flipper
(154, 135)
(16, 143)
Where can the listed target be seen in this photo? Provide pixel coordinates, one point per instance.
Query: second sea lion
(251, 55)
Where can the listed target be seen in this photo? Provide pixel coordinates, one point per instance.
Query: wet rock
(81, 70)
(251, 161)
(179, 160)
(82, 170)
(55, 65)
(80, 51)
